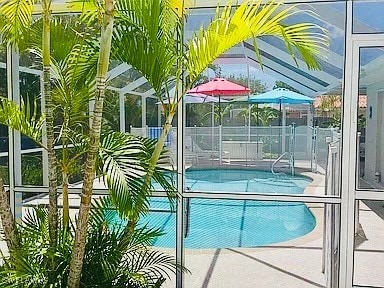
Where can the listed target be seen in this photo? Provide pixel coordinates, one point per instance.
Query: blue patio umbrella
(280, 96)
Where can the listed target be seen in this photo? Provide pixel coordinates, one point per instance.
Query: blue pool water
(216, 223)
(243, 180)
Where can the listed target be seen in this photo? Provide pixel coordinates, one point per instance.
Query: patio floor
(295, 263)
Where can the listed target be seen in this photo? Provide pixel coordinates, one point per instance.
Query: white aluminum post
(284, 122)
(180, 190)
(159, 107)
(144, 111)
(213, 125)
(44, 138)
(220, 144)
(270, 145)
(357, 203)
(14, 137)
(249, 108)
(292, 148)
(249, 123)
(309, 130)
(122, 111)
(312, 135)
(10, 132)
(315, 148)
(310, 115)
(309, 142)
(348, 160)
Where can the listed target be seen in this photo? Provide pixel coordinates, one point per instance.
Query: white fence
(331, 217)
(247, 144)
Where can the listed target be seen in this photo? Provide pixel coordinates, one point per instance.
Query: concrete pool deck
(291, 264)
(276, 265)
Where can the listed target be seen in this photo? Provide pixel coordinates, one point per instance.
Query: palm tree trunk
(64, 173)
(65, 201)
(52, 207)
(158, 148)
(7, 220)
(151, 169)
(89, 173)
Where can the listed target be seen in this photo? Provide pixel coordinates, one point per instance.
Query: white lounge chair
(203, 155)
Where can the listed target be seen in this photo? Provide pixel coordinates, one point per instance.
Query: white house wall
(373, 142)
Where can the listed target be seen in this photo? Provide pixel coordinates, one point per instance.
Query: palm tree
(72, 93)
(265, 115)
(133, 11)
(52, 174)
(122, 159)
(161, 59)
(16, 21)
(25, 120)
(113, 257)
(149, 35)
(7, 221)
(107, 25)
(71, 98)
(12, 24)
(68, 94)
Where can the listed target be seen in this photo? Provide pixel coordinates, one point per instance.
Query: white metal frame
(348, 190)
(349, 155)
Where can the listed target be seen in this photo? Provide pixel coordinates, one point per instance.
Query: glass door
(367, 163)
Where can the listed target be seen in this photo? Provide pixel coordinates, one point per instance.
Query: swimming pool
(212, 223)
(243, 180)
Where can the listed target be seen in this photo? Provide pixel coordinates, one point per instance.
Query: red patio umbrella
(220, 87)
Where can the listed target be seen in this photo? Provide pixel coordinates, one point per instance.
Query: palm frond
(116, 256)
(146, 267)
(65, 33)
(113, 258)
(15, 19)
(33, 257)
(162, 174)
(181, 6)
(124, 162)
(104, 214)
(73, 89)
(145, 38)
(252, 19)
(30, 278)
(82, 60)
(91, 10)
(121, 165)
(22, 118)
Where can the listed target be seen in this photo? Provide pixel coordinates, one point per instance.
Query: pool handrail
(277, 160)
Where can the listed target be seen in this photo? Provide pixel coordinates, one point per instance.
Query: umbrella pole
(219, 111)
(283, 140)
(220, 134)
(280, 128)
(249, 121)
(213, 125)
(187, 113)
(257, 129)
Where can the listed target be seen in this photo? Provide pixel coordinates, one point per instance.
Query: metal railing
(276, 161)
